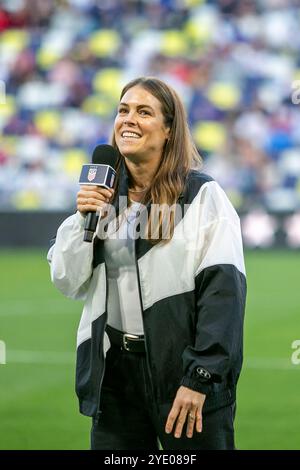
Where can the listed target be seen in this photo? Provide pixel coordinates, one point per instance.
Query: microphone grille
(105, 155)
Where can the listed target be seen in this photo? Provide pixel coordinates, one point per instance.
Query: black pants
(131, 420)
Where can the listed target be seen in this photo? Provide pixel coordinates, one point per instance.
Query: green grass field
(38, 407)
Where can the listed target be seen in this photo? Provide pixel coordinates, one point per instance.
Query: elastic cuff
(196, 385)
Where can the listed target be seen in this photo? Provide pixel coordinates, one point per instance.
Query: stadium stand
(235, 64)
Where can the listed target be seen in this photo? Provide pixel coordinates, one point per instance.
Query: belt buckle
(126, 337)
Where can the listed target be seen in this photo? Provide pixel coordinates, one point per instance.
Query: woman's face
(139, 128)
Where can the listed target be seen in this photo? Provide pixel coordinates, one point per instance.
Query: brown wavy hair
(179, 155)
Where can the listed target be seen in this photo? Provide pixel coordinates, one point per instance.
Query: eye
(122, 110)
(144, 111)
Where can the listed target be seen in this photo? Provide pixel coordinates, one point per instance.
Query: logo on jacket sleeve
(203, 374)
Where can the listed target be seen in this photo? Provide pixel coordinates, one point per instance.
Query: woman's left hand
(187, 407)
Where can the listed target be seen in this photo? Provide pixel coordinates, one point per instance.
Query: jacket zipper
(142, 311)
(141, 305)
(103, 372)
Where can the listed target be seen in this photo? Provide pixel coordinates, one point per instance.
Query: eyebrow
(139, 106)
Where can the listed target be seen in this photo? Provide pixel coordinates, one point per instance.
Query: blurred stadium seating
(235, 64)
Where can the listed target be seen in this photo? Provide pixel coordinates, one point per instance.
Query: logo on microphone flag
(92, 174)
(97, 174)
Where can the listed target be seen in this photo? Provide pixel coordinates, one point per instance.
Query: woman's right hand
(93, 199)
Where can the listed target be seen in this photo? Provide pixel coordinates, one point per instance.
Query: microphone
(100, 173)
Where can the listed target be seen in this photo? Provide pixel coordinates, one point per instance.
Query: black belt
(126, 341)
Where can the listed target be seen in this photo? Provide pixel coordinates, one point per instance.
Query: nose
(130, 118)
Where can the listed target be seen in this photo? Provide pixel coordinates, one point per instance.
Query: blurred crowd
(236, 65)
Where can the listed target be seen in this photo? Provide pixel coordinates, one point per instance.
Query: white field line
(270, 363)
(39, 357)
(52, 357)
(32, 306)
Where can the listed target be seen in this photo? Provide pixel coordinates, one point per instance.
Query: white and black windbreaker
(192, 292)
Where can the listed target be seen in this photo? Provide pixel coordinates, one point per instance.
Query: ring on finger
(191, 416)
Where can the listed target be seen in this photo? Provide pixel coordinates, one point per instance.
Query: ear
(167, 133)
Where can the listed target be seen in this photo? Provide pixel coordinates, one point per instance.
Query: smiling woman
(159, 348)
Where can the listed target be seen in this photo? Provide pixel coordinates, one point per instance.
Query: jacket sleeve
(71, 259)
(220, 292)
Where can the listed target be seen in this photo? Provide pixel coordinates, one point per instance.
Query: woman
(160, 338)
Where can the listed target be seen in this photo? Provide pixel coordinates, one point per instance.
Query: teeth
(130, 134)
